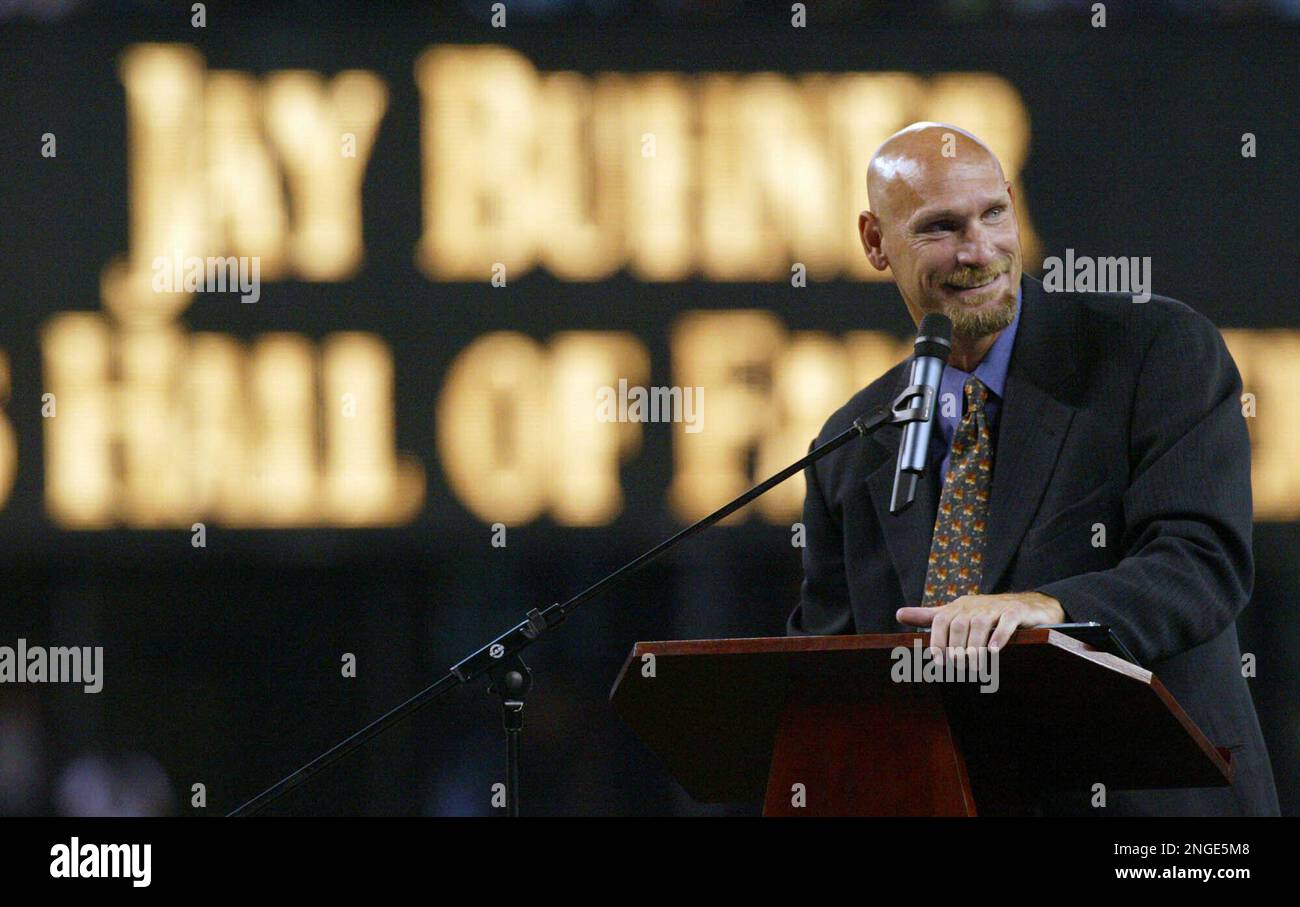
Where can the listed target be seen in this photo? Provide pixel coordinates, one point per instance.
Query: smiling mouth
(971, 289)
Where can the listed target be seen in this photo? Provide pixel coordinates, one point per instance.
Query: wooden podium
(744, 720)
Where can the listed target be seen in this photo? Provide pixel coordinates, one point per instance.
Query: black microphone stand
(500, 659)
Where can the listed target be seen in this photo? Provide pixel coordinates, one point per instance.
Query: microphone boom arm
(500, 656)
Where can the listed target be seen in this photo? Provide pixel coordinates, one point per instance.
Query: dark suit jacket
(1115, 412)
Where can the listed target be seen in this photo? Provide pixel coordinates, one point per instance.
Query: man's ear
(869, 230)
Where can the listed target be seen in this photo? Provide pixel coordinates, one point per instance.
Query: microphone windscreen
(935, 336)
(936, 325)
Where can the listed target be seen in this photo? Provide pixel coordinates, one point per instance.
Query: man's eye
(996, 210)
(937, 225)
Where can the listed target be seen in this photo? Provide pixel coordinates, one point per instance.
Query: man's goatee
(972, 325)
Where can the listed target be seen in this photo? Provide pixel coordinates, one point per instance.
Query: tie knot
(976, 394)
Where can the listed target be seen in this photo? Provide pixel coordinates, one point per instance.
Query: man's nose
(976, 250)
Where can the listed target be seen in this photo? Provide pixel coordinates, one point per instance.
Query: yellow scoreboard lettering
(722, 176)
(8, 440)
(518, 431)
(157, 428)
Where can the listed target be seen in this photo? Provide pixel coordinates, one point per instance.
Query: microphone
(914, 408)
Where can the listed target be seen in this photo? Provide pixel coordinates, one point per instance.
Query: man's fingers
(939, 629)
(958, 630)
(980, 626)
(1007, 625)
(915, 617)
(969, 622)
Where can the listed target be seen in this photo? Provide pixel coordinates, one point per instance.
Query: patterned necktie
(957, 549)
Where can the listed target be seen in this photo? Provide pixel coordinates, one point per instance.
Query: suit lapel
(1031, 428)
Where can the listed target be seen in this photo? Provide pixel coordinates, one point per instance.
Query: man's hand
(968, 621)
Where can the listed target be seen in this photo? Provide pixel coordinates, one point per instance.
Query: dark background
(222, 664)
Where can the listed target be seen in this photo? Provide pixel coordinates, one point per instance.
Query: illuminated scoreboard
(239, 179)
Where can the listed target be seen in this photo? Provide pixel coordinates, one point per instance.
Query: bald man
(1090, 463)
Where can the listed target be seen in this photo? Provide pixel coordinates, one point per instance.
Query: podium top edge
(786, 645)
